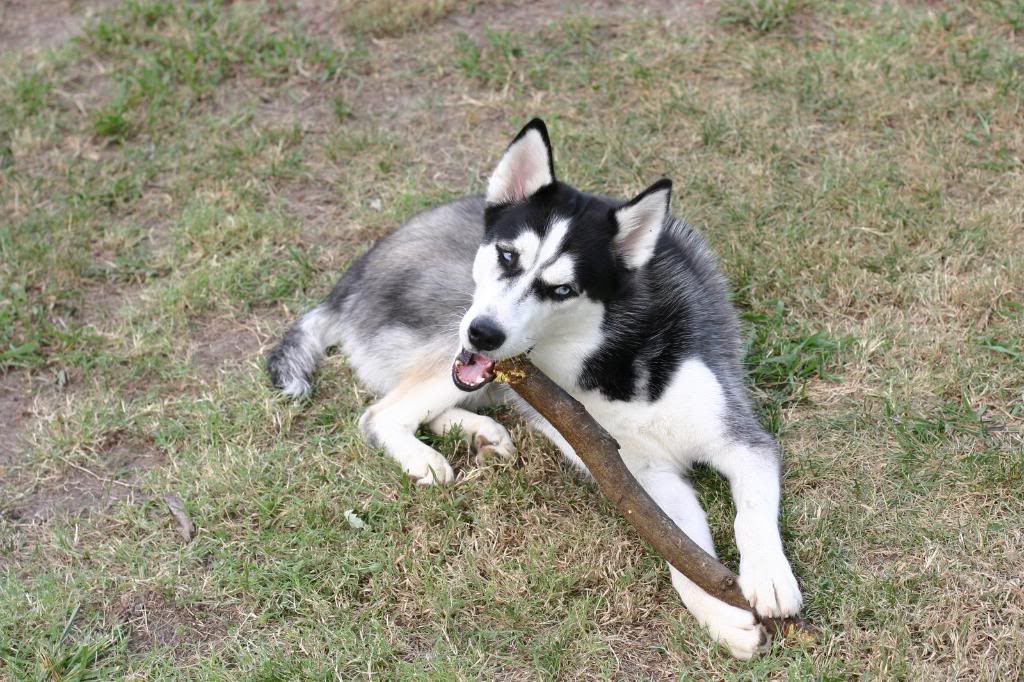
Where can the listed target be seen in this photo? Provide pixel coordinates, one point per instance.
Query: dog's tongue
(472, 370)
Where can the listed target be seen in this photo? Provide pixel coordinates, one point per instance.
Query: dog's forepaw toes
(771, 588)
(740, 633)
(493, 441)
(431, 471)
(745, 644)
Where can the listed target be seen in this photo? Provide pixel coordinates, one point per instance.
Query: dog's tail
(295, 358)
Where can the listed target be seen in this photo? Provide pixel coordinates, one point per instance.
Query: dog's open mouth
(472, 371)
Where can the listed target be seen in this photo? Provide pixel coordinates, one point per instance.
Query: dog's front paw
(429, 468)
(732, 627)
(744, 637)
(493, 440)
(769, 585)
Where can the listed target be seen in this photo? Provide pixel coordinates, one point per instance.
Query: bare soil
(15, 414)
(155, 620)
(35, 25)
(79, 489)
(220, 343)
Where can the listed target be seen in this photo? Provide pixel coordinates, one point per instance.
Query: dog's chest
(686, 420)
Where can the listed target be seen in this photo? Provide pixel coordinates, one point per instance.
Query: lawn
(178, 180)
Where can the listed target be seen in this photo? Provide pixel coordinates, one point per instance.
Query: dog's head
(550, 260)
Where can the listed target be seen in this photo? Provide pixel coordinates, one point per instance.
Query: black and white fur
(620, 303)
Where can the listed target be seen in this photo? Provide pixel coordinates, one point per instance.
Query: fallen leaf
(186, 528)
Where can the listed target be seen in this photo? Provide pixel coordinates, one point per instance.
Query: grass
(761, 16)
(180, 179)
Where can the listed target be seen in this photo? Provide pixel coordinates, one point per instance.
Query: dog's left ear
(640, 223)
(526, 166)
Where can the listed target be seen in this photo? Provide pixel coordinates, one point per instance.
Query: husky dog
(620, 303)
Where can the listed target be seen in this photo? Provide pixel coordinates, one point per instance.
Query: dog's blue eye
(564, 291)
(507, 256)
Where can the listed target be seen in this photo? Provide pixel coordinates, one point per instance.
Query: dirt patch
(221, 343)
(156, 621)
(40, 24)
(76, 493)
(326, 220)
(107, 305)
(89, 86)
(15, 415)
(84, 489)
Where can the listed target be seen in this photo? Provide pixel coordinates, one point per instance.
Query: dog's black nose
(485, 334)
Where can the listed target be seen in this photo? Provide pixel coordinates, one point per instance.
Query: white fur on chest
(686, 423)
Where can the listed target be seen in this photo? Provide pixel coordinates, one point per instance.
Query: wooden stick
(600, 452)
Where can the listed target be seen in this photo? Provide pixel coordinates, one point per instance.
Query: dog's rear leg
(486, 436)
(391, 424)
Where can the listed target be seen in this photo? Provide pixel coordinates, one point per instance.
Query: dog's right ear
(526, 166)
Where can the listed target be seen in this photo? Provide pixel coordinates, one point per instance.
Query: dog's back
(396, 309)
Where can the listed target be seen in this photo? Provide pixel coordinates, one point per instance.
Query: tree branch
(600, 452)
